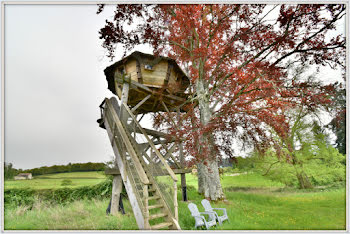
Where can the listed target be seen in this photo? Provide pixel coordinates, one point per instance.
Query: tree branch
(268, 170)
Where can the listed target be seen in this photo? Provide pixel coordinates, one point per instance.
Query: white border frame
(3, 5)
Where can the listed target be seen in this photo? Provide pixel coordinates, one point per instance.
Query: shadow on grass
(284, 189)
(249, 189)
(58, 178)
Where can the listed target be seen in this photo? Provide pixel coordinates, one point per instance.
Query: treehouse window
(148, 67)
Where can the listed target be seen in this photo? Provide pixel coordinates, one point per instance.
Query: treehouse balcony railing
(143, 167)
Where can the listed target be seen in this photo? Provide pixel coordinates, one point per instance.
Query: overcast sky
(54, 83)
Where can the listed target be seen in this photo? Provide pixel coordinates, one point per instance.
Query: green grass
(258, 210)
(78, 215)
(253, 203)
(53, 181)
(250, 180)
(257, 203)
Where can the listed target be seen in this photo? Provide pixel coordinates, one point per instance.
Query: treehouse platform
(152, 79)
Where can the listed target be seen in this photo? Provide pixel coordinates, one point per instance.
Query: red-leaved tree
(237, 58)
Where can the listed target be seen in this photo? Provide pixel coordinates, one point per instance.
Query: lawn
(53, 181)
(257, 203)
(266, 210)
(251, 180)
(253, 203)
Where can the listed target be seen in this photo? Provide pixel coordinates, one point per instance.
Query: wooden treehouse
(152, 79)
(145, 83)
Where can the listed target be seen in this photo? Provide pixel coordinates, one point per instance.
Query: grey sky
(54, 83)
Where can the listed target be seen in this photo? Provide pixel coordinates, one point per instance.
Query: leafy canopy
(239, 55)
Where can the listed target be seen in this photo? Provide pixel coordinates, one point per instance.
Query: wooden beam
(175, 202)
(182, 171)
(140, 103)
(117, 183)
(124, 99)
(169, 151)
(157, 142)
(117, 89)
(128, 145)
(117, 187)
(115, 171)
(112, 171)
(176, 171)
(144, 88)
(169, 154)
(141, 150)
(171, 173)
(167, 75)
(141, 117)
(122, 113)
(138, 70)
(155, 133)
(182, 164)
(167, 110)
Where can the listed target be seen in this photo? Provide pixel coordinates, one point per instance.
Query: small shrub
(27, 197)
(323, 166)
(66, 182)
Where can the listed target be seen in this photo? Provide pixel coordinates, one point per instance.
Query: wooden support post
(124, 99)
(122, 114)
(182, 164)
(116, 190)
(117, 179)
(175, 202)
(145, 208)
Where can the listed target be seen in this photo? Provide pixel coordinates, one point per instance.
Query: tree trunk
(304, 182)
(303, 179)
(208, 173)
(209, 185)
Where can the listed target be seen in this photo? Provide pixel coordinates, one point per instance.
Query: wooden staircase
(152, 207)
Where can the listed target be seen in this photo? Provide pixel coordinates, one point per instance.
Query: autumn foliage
(237, 57)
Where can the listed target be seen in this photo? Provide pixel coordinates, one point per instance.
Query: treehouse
(144, 157)
(152, 79)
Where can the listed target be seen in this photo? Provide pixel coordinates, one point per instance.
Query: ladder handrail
(140, 171)
(165, 164)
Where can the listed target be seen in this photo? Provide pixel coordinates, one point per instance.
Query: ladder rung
(155, 206)
(161, 225)
(153, 198)
(157, 216)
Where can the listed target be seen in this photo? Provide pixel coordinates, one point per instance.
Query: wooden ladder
(149, 204)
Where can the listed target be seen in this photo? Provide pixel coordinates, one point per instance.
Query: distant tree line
(10, 172)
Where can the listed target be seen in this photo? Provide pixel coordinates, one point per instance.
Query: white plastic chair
(200, 219)
(208, 208)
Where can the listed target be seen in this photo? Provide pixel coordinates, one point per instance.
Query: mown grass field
(53, 181)
(254, 203)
